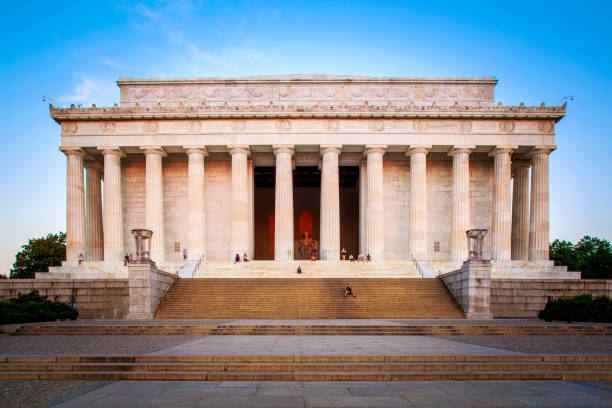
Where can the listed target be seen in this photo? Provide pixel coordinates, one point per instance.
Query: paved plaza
(15, 393)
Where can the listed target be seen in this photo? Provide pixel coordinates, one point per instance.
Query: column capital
(417, 148)
(242, 148)
(196, 149)
(154, 150)
(518, 163)
(70, 150)
(93, 164)
(457, 149)
(112, 150)
(501, 149)
(374, 148)
(539, 149)
(328, 148)
(282, 148)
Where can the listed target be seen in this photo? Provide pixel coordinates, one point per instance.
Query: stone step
(307, 368)
(464, 330)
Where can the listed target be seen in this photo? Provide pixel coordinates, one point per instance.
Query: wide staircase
(256, 298)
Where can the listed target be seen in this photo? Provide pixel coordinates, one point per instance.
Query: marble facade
(436, 156)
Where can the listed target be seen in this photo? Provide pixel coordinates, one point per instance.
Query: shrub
(581, 308)
(31, 307)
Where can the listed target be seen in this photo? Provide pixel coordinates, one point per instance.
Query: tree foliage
(31, 307)
(591, 256)
(38, 255)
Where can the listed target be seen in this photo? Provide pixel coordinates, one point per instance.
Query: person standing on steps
(245, 257)
(343, 254)
(299, 269)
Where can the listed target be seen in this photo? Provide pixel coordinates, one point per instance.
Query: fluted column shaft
(363, 194)
(240, 233)
(501, 227)
(75, 205)
(417, 234)
(538, 217)
(113, 211)
(330, 203)
(520, 210)
(460, 211)
(196, 210)
(154, 201)
(283, 204)
(93, 207)
(375, 202)
(251, 180)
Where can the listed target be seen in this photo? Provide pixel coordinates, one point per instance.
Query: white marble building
(393, 167)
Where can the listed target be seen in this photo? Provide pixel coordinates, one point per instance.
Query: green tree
(38, 255)
(595, 257)
(591, 256)
(562, 252)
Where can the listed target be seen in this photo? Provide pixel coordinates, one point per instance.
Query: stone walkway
(345, 394)
(300, 393)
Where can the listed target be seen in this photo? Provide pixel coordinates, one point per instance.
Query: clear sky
(74, 51)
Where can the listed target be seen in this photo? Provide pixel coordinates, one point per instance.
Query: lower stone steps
(312, 330)
(306, 368)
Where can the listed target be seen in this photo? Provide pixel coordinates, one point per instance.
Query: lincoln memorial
(292, 169)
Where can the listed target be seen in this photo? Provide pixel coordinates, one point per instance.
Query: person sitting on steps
(349, 290)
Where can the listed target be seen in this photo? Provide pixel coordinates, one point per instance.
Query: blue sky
(73, 52)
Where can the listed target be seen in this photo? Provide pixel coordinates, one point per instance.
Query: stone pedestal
(520, 210)
(154, 201)
(417, 234)
(477, 295)
(375, 202)
(147, 286)
(113, 211)
(283, 204)
(75, 205)
(330, 204)
(196, 211)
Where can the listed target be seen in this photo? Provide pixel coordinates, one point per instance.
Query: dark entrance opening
(306, 208)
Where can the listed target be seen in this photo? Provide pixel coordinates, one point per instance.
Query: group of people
(351, 258)
(237, 259)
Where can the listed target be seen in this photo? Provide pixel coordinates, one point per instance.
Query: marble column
(538, 216)
(75, 205)
(251, 180)
(196, 208)
(460, 210)
(154, 201)
(501, 227)
(417, 233)
(330, 203)
(283, 204)
(520, 210)
(94, 250)
(363, 194)
(375, 202)
(240, 233)
(113, 211)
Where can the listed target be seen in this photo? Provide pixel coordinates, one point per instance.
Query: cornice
(339, 111)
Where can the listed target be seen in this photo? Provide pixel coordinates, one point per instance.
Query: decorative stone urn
(475, 238)
(143, 245)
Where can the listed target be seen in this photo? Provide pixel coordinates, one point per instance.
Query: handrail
(197, 267)
(413, 259)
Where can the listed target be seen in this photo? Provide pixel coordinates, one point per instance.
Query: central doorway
(306, 210)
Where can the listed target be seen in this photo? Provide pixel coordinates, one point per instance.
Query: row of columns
(518, 230)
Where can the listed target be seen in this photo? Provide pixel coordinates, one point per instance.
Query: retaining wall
(95, 298)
